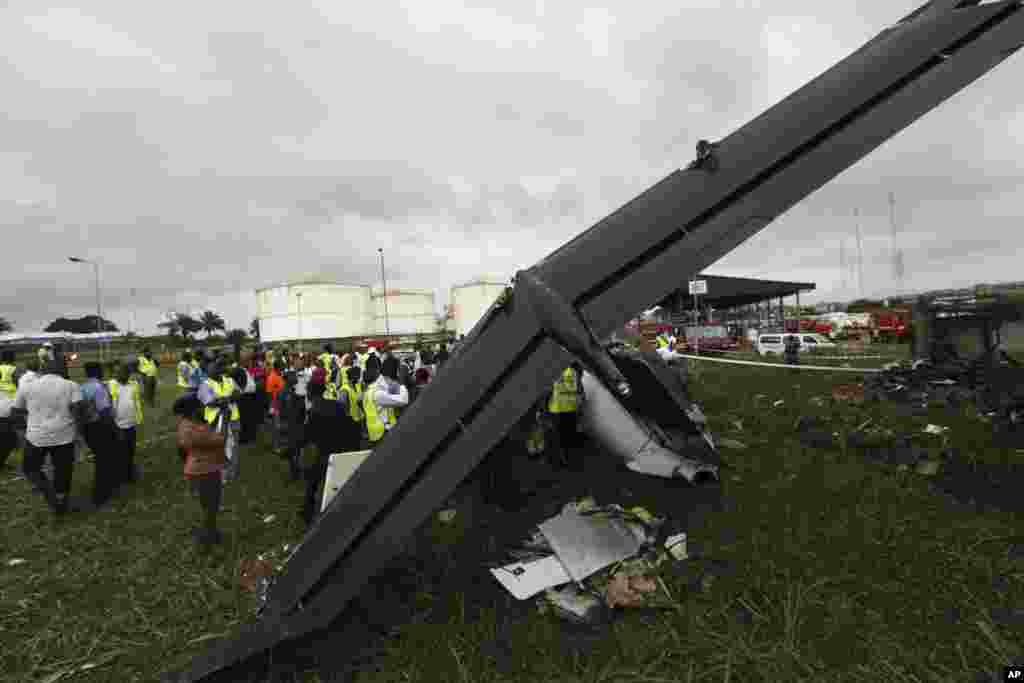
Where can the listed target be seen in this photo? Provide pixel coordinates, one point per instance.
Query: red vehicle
(822, 327)
(889, 326)
(709, 338)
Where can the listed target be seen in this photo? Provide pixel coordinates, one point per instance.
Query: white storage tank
(409, 311)
(314, 309)
(471, 300)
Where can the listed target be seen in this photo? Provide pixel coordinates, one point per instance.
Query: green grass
(842, 570)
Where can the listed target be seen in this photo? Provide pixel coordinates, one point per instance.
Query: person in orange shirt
(275, 383)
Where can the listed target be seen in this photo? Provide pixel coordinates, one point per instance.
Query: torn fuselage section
(657, 429)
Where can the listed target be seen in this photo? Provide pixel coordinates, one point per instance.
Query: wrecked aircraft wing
(656, 430)
(597, 281)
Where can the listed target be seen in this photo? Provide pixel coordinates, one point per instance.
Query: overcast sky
(200, 150)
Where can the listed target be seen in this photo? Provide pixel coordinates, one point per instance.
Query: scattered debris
(575, 604)
(625, 590)
(853, 393)
(928, 468)
(817, 401)
(778, 403)
(738, 425)
(446, 516)
(590, 558)
(254, 575)
(15, 562)
(676, 546)
(587, 544)
(936, 430)
(269, 518)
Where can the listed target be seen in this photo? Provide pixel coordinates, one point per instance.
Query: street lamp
(387, 327)
(298, 295)
(99, 309)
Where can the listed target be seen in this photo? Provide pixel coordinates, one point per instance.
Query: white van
(771, 344)
(775, 344)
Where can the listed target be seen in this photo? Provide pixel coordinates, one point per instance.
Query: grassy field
(838, 569)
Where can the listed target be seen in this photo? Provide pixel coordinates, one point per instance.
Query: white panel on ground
(340, 469)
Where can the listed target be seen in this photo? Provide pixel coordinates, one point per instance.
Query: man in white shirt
(53, 406)
(388, 395)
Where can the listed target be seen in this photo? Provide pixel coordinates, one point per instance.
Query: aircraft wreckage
(559, 308)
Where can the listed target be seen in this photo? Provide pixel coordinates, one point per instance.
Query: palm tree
(211, 322)
(172, 326)
(5, 326)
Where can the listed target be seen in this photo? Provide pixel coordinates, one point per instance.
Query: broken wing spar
(683, 224)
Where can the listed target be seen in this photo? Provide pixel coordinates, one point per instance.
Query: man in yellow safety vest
(563, 407)
(220, 396)
(8, 390)
(148, 370)
(127, 413)
(381, 397)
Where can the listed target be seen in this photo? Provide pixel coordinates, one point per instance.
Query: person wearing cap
(53, 409)
(148, 370)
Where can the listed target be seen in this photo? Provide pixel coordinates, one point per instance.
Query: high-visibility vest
(330, 391)
(354, 410)
(662, 341)
(325, 358)
(377, 419)
(194, 364)
(147, 367)
(564, 393)
(7, 385)
(225, 387)
(115, 387)
(184, 370)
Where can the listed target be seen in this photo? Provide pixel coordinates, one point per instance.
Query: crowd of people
(311, 404)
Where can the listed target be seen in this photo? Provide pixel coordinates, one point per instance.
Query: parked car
(771, 344)
(816, 342)
(775, 344)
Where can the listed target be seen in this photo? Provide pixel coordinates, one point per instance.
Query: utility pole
(298, 295)
(384, 294)
(860, 255)
(843, 268)
(897, 252)
(134, 330)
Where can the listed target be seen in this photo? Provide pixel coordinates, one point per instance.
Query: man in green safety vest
(148, 370)
(8, 390)
(380, 399)
(220, 396)
(563, 406)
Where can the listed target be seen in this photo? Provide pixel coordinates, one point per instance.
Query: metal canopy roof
(730, 292)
